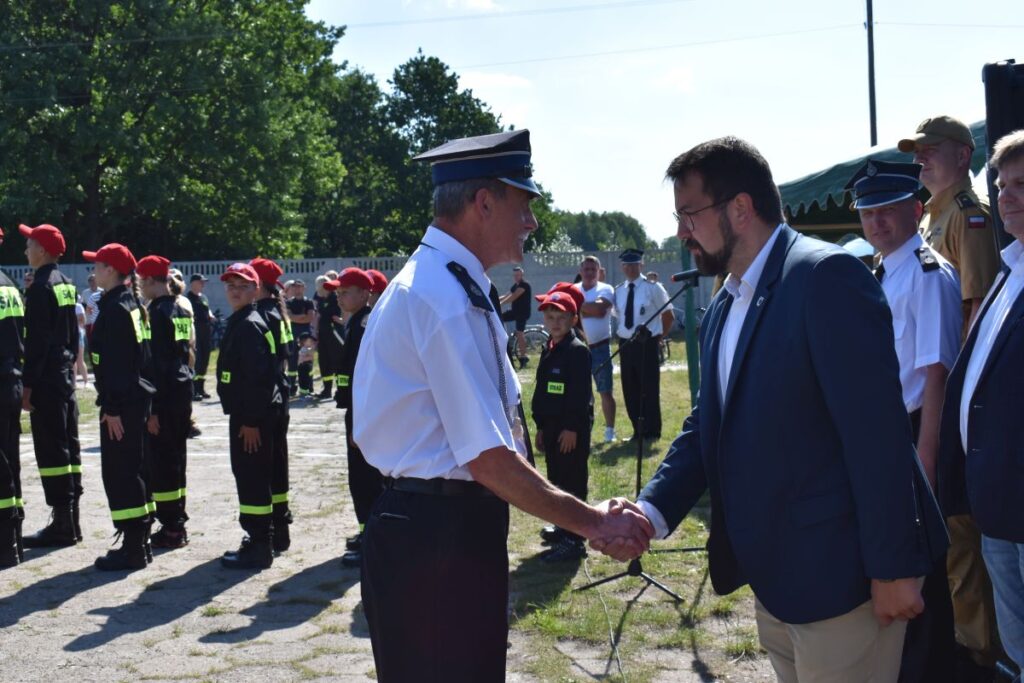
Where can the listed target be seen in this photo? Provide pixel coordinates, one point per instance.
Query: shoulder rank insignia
(964, 201)
(473, 291)
(927, 259)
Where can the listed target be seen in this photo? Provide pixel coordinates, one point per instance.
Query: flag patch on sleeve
(976, 221)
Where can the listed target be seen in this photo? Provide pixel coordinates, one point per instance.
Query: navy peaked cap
(878, 183)
(632, 256)
(503, 156)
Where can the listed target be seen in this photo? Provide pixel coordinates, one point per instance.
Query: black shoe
(355, 542)
(282, 537)
(170, 539)
(197, 397)
(204, 395)
(75, 517)
(251, 554)
(21, 545)
(325, 394)
(568, 550)
(353, 559)
(131, 554)
(59, 533)
(9, 543)
(194, 431)
(551, 534)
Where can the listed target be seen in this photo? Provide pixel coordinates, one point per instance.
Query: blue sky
(790, 76)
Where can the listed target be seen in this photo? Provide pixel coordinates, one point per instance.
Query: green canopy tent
(818, 205)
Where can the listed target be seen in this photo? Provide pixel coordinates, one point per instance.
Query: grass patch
(213, 611)
(742, 643)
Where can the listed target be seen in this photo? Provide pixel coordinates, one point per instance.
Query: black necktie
(629, 308)
(880, 272)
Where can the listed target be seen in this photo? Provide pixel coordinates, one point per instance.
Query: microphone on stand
(687, 276)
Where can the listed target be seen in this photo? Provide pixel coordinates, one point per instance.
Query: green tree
(190, 128)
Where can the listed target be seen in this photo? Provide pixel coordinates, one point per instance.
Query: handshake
(623, 531)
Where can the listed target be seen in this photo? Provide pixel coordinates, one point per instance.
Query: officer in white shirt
(434, 400)
(636, 300)
(923, 292)
(598, 306)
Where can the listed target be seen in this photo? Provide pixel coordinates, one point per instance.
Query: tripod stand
(641, 335)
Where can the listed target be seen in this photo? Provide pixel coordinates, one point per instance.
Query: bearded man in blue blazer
(800, 436)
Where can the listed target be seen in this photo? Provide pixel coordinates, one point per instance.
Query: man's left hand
(899, 599)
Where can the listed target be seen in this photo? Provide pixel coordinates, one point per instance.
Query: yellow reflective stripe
(19, 502)
(75, 469)
(168, 496)
(55, 471)
(279, 498)
(556, 387)
(130, 513)
(11, 305)
(8, 503)
(342, 380)
(270, 340)
(225, 377)
(151, 506)
(66, 294)
(256, 509)
(182, 328)
(142, 329)
(200, 377)
(95, 358)
(286, 332)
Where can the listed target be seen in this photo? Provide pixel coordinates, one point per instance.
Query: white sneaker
(609, 434)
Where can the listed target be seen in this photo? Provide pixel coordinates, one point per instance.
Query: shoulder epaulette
(927, 259)
(473, 291)
(965, 201)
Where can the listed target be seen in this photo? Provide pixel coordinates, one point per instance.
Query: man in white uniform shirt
(636, 300)
(434, 400)
(599, 302)
(923, 292)
(981, 439)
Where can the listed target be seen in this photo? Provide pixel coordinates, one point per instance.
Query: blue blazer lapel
(1015, 314)
(769, 276)
(709, 369)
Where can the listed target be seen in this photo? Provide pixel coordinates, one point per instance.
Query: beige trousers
(850, 648)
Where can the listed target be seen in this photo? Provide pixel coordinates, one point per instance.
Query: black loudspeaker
(1004, 113)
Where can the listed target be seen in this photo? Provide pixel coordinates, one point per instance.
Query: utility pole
(871, 74)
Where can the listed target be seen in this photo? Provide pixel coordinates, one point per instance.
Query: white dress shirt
(647, 298)
(426, 392)
(598, 329)
(927, 318)
(742, 289)
(989, 326)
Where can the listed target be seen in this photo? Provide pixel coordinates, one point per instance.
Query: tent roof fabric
(825, 187)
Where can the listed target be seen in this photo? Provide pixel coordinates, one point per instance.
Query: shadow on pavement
(160, 603)
(290, 602)
(52, 592)
(534, 584)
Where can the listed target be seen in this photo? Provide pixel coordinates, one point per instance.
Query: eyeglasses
(688, 215)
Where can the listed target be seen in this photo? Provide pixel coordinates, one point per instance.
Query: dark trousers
(293, 370)
(306, 376)
(929, 645)
(279, 467)
(167, 462)
(54, 421)
(123, 465)
(328, 351)
(253, 478)
(435, 587)
(567, 471)
(641, 379)
(10, 461)
(365, 481)
(202, 355)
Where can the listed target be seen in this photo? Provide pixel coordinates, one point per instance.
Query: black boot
(170, 536)
(21, 546)
(131, 554)
(202, 389)
(328, 390)
(282, 537)
(254, 553)
(147, 545)
(8, 543)
(75, 517)
(59, 533)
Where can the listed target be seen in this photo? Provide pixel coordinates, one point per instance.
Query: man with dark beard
(818, 500)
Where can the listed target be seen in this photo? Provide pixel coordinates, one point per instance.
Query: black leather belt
(438, 487)
(599, 344)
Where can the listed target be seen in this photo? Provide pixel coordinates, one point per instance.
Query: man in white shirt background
(599, 303)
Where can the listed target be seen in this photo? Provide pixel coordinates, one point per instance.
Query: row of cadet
(142, 357)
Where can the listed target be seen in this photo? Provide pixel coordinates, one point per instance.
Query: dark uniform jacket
(171, 327)
(563, 394)
(121, 354)
(200, 311)
(247, 369)
(51, 331)
(12, 349)
(352, 333)
(281, 330)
